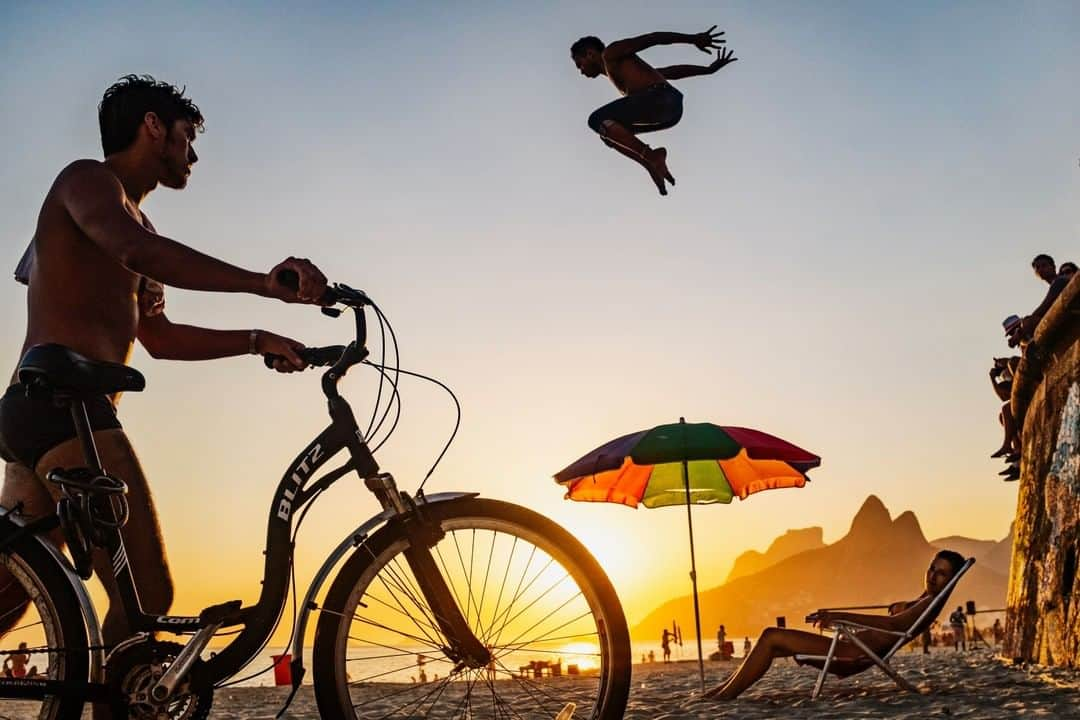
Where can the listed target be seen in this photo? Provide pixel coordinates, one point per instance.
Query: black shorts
(657, 107)
(30, 427)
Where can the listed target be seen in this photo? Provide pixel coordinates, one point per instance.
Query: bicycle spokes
(521, 603)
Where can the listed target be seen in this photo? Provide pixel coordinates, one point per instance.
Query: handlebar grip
(314, 356)
(291, 279)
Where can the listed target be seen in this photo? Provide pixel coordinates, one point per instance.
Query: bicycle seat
(64, 371)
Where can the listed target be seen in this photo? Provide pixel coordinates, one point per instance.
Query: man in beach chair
(860, 641)
(649, 101)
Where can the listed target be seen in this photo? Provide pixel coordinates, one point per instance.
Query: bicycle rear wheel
(43, 636)
(529, 591)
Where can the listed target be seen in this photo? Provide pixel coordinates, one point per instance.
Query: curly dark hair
(589, 42)
(126, 103)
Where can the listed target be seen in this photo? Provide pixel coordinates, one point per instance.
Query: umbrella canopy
(684, 464)
(722, 462)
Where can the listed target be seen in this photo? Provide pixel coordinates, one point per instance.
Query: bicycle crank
(132, 673)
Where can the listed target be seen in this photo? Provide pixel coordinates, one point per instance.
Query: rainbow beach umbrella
(684, 464)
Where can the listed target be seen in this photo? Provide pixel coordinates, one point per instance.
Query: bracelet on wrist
(253, 340)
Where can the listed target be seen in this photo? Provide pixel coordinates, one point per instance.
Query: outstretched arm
(704, 41)
(95, 200)
(167, 340)
(676, 72)
(898, 622)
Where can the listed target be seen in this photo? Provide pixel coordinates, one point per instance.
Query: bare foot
(656, 163)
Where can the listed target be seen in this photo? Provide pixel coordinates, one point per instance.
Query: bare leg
(142, 535)
(22, 485)
(654, 161)
(774, 643)
(1012, 437)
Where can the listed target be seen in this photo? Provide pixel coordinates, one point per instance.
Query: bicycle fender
(90, 618)
(351, 542)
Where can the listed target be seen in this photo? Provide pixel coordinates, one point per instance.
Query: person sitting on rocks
(785, 642)
(1044, 268)
(1001, 378)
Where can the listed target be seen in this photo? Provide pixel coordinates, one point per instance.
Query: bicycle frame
(294, 492)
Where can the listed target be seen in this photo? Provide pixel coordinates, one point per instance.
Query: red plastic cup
(282, 669)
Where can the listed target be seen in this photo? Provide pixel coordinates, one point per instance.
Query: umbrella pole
(693, 575)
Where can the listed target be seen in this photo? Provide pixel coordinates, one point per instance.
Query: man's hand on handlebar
(311, 285)
(283, 350)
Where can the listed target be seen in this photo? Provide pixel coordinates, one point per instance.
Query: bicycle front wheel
(527, 588)
(43, 644)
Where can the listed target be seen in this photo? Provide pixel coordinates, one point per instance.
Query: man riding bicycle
(96, 275)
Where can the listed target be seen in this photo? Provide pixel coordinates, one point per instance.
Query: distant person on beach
(665, 644)
(786, 642)
(958, 624)
(15, 664)
(420, 662)
(721, 637)
(652, 657)
(96, 270)
(997, 632)
(746, 646)
(649, 102)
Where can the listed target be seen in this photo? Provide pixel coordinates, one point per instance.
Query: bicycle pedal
(567, 712)
(224, 614)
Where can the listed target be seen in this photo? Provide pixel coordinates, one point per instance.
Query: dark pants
(657, 107)
(31, 426)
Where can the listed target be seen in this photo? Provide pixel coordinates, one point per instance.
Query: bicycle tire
(59, 625)
(600, 693)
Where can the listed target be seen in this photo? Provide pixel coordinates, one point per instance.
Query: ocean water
(263, 665)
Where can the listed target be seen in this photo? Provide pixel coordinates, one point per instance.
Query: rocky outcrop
(1043, 623)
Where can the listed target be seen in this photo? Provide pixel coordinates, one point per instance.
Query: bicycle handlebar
(331, 354)
(313, 356)
(334, 294)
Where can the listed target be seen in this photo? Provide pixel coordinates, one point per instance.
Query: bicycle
(482, 594)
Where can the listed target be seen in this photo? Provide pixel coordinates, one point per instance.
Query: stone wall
(1043, 623)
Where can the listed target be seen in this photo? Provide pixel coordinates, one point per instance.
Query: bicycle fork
(464, 648)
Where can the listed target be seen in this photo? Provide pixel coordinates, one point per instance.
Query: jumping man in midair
(649, 102)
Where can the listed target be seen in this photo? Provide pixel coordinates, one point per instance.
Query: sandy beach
(958, 685)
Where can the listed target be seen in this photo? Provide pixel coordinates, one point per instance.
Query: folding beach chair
(844, 630)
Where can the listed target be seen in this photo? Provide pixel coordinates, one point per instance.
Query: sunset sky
(859, 198)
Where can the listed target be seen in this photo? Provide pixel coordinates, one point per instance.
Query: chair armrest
(848, 626)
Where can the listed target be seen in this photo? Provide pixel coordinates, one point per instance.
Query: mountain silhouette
(994, 554)
(790, 543)
(878, 561)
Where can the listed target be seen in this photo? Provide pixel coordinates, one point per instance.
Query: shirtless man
(649, 103)
(95, 285)
(786, 642)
